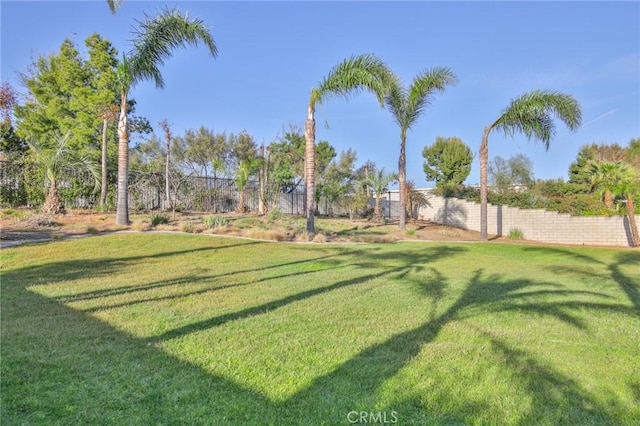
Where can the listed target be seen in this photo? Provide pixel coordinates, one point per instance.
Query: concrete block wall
(535, 224)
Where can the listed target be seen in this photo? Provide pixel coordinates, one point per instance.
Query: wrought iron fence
(20, 185)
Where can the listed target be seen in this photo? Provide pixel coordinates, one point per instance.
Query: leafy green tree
(59, 87)
(242, 148)
(205, 152)
(580, 170)
(56, 160)
(407, 104)
(357, 73)
(634, 152)
(379, 181)
(102, 64)
(154, 40)
(447, 161)
(10, 142)
(338, 179)
(531, 114)
(517, 170)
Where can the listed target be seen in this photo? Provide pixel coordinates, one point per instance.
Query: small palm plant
(379, 182)
(604, 177)
(55, 161)
(246, 169)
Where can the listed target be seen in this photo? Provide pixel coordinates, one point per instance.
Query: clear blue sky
(272, 53)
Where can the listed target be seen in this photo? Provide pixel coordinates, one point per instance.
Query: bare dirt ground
(24, 225)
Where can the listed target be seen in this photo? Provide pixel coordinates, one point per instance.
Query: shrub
(212, 222)
(274, 215)
(42, 221)
(159, 219)
(92, 230)
(515, 234)
(410, 232)
(188, 227)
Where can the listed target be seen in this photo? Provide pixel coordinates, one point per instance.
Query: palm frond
(407, 104)
(423, 87)
(60, 158)
(533, 113)
(397, 102)
(156, 37)
(114, 5)
(354, 75)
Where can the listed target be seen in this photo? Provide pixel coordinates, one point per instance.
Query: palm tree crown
(531, 114)
(349, 77)
(406, 105)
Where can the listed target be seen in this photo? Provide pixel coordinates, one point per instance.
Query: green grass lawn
(192, 329)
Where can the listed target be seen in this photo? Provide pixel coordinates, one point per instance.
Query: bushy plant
(188, 227)
(516, 234)
(274, 215)
(212, 222)
(159, 219)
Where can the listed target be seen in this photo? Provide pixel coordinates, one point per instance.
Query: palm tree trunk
(402, 179)
(310, 169)
(122, 209)
(53, 204)
(608, 198)
(103, 185)
(167, 183)
(484, 157)
(377, 211)
(631, 215)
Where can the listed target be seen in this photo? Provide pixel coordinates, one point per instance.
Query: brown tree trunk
(402, 179)
(608, 199)
(122, 209)
(309, 165)
(631, 215)
(167, 176)
(53, 204)
(103, 185)
(377, 211)
(484, 156)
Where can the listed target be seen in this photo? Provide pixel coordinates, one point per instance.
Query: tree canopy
(447, 161)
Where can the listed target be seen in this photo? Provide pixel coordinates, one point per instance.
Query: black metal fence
(22, 186)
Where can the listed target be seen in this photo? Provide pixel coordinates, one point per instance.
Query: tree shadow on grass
(372, 261)
(51, 273)
(93, 373)
(629, 283)
(354, 385)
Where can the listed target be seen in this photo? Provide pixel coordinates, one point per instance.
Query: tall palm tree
(153, 43)
(357, 73)
(531, 114)
(55, 161)
(604, 176)
(379, 180)
(406, 105)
